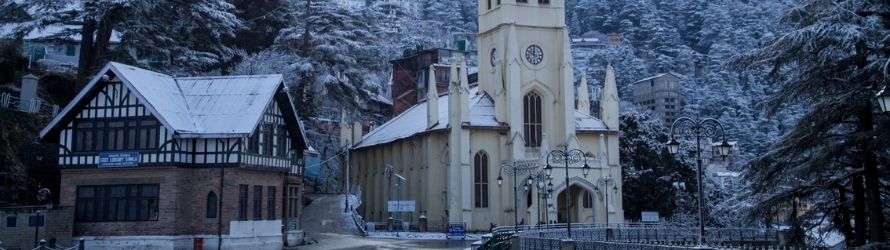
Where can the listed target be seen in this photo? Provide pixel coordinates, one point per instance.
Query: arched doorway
(581, 205)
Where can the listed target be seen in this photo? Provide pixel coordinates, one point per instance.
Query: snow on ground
(418, 235)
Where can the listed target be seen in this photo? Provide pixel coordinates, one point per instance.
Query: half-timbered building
(154, 160)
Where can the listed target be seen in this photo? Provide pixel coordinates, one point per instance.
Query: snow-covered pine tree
(832, 61)
(649, 171)
(187, 36)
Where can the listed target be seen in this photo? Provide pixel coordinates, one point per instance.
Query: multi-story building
(660, 94)
(155, 161)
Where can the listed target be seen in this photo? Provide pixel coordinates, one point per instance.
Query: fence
(44, 246)
(33, 106)
(633, 236)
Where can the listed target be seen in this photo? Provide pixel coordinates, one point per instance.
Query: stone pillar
(28, 92)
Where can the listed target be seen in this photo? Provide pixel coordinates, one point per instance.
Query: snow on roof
(224, 106)
(482, 114)
(727, 174)
(413, 120)
(588, 123)
(658, 76)
(55, 31)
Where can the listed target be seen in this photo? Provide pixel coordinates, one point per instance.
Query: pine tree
(833, 61)
(187, 35)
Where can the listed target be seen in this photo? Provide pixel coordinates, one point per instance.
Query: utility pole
(346, 189)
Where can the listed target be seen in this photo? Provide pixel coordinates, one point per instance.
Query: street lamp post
(390, 170)
(42, 196)
(538, 180)
(517, 168)
(606, 182)
(707, 128)
(567, 156)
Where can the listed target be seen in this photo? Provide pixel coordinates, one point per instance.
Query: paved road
(326, 224)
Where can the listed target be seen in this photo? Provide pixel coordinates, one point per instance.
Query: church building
(450, 148)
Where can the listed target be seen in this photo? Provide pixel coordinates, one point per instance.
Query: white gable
(227, 106)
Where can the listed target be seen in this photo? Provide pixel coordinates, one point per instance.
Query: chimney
(28, 92)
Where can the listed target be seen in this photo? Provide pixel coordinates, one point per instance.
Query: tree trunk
(86, 50)
(843, 216)
(872, 181)
(304, 48)
(859, 216)
(103, 39)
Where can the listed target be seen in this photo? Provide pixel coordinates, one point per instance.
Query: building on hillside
(351, 4)
(660, 94)
(176, 158)
(410, 74)
(53, 45)
(450, 148)
(723, 170)
(592, 40)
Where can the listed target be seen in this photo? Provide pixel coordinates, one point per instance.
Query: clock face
(494, 57)
(534, 54)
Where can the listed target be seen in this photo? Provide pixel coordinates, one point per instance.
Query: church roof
(218, 107)
(482, 114)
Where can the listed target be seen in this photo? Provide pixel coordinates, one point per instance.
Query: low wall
(243, 235)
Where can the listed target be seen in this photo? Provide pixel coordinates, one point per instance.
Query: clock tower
(527, 70)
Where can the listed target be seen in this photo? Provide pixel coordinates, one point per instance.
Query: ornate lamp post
(567, 156)
(707, 128)
(539, 180)
(517, 168)
(42, 196)
(606, 182)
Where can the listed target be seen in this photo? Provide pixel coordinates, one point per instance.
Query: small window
(588, 199)
(242, 202)
(489, 4)
(270, 206)
(211, 205)
(522, 1)
(257, 202)
(35, 220)
(11, 221)
(543, 2)
(70, 50)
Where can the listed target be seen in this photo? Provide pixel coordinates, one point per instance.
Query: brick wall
(20, 235)
(182, 198)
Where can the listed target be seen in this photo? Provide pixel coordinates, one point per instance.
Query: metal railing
(633, 236)
(33, 106)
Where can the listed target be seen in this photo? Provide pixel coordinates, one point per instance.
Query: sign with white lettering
(118, 159)
(456, 230)
(400, 206)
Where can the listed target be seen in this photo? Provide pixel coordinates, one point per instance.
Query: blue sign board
(457, 230)
(118, 159)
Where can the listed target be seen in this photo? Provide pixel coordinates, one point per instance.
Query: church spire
(609, 100)
(432, 99)
(583, 96)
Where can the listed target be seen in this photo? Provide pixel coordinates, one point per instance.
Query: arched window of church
(480, 179)
(532, 119)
